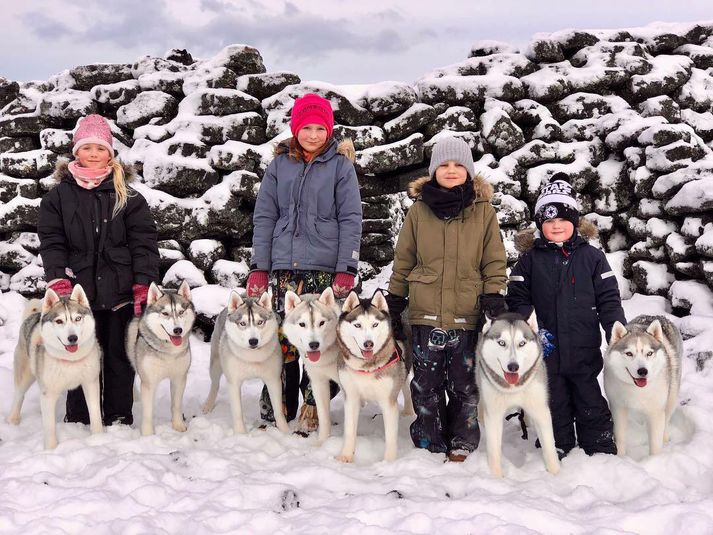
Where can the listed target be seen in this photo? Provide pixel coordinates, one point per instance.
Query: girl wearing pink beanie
(307, 229)
(96, 231)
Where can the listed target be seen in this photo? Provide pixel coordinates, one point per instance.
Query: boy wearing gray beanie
(450, 264)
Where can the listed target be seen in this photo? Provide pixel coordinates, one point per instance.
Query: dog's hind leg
(351, 421)
(656, 420)
(237, 407)
(148, 393)
(215, 373)
(408, 401)
(178, 387)
(320, 390)
(274, 388)
(23, 381)
(390, 410)
(93, 398)
(542, 419)
(620, 415)
(48, 402)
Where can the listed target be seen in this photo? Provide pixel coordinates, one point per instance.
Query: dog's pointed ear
(265, 300)
(532, 321)
(379, 301)
(656, 331)
(154, 294)
(234, 301)
(79, 296)
(50, 299)
(618, 331)
(291, 301)
(184, 290)
(351, 302)
(327, 297)
(487, 324)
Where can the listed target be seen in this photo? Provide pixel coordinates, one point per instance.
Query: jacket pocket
(280, 226)
(424, 293)
(467, 289)
(327, 228)
(119, 255)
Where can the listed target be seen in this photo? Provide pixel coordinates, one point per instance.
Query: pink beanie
(311, 109)
(93, 129)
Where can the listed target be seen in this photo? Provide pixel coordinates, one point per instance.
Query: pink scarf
(86, 177)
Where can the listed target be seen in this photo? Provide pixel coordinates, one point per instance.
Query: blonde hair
(298, 153)
(122, 192)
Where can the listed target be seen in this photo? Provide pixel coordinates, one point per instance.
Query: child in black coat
(96, 231)
(573, 291)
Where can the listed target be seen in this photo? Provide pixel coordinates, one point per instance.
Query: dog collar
(395, 357)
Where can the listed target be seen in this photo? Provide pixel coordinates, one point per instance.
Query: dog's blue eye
(501, 343)
(629, 354)
(649, 353)
(260, 322)
(78, 319)
(243, 324)
(357, 325)
(521, 344)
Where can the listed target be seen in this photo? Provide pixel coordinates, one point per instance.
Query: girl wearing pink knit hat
(96, 231)
(307, 229)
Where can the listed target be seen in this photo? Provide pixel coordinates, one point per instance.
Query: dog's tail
(34, 306)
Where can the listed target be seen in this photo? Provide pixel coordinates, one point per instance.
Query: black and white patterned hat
(556, 200)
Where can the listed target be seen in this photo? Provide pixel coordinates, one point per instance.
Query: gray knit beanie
(455, 149)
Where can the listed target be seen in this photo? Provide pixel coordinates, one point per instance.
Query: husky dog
(310, 325)
(158, 348)
(245, 345)
(510, 372)
(58, 347)
(642, 373)
(371, 368)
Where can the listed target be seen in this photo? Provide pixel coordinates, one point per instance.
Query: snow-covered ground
(208, 480)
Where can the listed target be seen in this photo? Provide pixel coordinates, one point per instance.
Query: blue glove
(547, 340)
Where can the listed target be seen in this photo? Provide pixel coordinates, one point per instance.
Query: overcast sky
(339, 41)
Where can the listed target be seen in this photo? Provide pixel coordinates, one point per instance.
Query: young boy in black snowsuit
(573, 291)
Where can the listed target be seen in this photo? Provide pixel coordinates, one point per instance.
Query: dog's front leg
(274, 388)
(408, 400)
(178, 387)
(543, 425)
(351, 421)
(656, 424)
(620, 415)
(236, 406)
(390, 410)
(48, 402)
(320, 390)
(493, 424)
(92, 396)
(148, 393)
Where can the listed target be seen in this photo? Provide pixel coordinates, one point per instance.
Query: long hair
(122, 192)
(298, 153)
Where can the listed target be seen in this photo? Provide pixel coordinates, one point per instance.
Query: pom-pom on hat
(311, 109)
(93, 129)
(557, 200)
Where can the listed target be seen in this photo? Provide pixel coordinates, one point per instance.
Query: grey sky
(339, 41)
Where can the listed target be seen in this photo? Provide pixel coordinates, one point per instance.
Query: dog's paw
(408, 411)
(345, 458)
(496, 472)
(50, 443)
(13, 419)
(181, 426)
(207, 407)
(554, 469)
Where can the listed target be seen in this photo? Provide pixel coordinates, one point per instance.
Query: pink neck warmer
(88, 178)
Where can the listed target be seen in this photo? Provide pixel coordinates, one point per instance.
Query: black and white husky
(157, 344)
(371, 368)
(245, 344)
(58, 347)
(510, 373)
(642, 373)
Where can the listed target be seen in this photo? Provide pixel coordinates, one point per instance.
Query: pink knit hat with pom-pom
(93, 129)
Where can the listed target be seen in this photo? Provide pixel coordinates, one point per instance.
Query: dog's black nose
(177, 331)
(314, 346)
(643, 372)
(72, 339)
(253, 342)
(513, 367)
(368, 344)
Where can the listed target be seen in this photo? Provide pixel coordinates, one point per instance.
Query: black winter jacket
(573, 290)
(80, 241)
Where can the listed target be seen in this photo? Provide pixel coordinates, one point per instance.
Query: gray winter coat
(308, 215)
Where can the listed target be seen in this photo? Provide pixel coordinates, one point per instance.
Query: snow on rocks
(183, 270)
(87, 76)
(64, 105)
(204, 253)
(218, 102)
(144, 107)
(265, 85)
(113, 96)
(392, 156)
(230, 274)
(389, 98)
(31, 164)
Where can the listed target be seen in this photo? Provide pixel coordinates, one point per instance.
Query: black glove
(397, 305)
(493, 305)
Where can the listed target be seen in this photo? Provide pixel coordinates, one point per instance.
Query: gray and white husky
(370, 369)
(245, 344)
(58, 347)
(510, 373)
(311, 326)
(157, 344)
(642, 373)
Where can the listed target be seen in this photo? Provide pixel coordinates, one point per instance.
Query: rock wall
(626, 113)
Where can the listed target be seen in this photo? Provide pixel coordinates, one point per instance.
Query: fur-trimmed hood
(525, 239)
(61, 171)
(345, 147)
(483, 189)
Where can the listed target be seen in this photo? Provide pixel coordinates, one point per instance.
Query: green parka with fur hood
(444, 265)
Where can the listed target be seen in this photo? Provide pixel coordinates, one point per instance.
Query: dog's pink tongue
(511, 378)
(368, 354)
(314, 355)
(176, 340)
(72, 348)
(640, 382)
